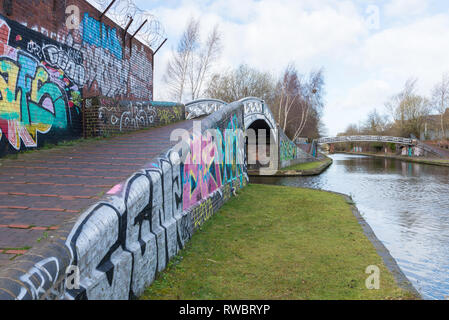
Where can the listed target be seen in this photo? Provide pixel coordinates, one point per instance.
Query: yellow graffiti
(169, 116)
(178, 112)
(29, 102)
(202, 213)
(10, 106)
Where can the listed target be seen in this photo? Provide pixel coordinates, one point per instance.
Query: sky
(368, 49)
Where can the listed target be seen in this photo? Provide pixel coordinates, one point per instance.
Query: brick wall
(106, 116)
(47, 70)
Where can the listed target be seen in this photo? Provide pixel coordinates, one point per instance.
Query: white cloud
(419, 49)
(363, 67)
(406, 7)
(367, 95)
(269, 34)
(354, 104)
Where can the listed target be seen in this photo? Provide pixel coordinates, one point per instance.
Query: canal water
(406, 205)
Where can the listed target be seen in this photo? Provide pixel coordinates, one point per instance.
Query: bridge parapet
(254, 109)
(203, 107)
(114, 249)
(386, 139)
(257, 109)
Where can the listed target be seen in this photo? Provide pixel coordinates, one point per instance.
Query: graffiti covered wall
(217, 160)
(105, 116)
(112, 68)
(40, 88)
(47, 69)
(118, 245)
(291, 154)
(288, 150)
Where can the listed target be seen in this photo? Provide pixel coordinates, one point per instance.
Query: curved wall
(116, 247)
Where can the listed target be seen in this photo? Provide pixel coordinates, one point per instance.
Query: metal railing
(387, 139)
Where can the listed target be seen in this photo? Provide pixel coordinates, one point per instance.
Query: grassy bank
(309, 167)
(302, 169)
(277, 243)
(432, 161)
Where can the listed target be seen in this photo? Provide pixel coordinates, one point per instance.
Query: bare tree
(202, 62)
(375, 124)
(299, 102)
(178, 67)
(351, 130)
(296, 101)
(440, 99)
(396, 103)
(289, 95)
(191, 62)
(322, 128)
(240, 83)
(409, 109)
(313, 104)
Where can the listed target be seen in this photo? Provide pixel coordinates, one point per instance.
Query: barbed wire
(122, 11)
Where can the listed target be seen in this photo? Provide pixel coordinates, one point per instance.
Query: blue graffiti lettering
(109, 39)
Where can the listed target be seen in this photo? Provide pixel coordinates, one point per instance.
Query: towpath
(41, 189)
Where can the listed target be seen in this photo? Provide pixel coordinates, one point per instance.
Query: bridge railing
(359, 138)
(203, 107)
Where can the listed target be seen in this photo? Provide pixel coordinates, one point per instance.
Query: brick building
(48, 67)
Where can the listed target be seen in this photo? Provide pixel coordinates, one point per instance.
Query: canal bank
(430, 161)
(402, 281)
(275, 242)
(303, 169)
(404, 203)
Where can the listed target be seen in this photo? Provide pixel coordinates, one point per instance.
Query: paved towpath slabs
(41, 189)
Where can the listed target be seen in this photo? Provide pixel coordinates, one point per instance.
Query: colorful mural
(215, 159)
(39, 86)
(45, 75)
(288, 150)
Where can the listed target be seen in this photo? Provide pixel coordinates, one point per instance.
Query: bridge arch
(257, 115)
(256, 109)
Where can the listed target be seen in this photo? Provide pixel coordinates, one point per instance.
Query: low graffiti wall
(116, 247)
(105, 116)
(291, 154)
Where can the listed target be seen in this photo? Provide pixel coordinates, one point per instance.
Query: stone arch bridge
(281, 151)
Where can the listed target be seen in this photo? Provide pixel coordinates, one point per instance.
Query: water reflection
(407, 206)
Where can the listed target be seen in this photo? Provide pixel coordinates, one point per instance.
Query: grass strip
(274, 242)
